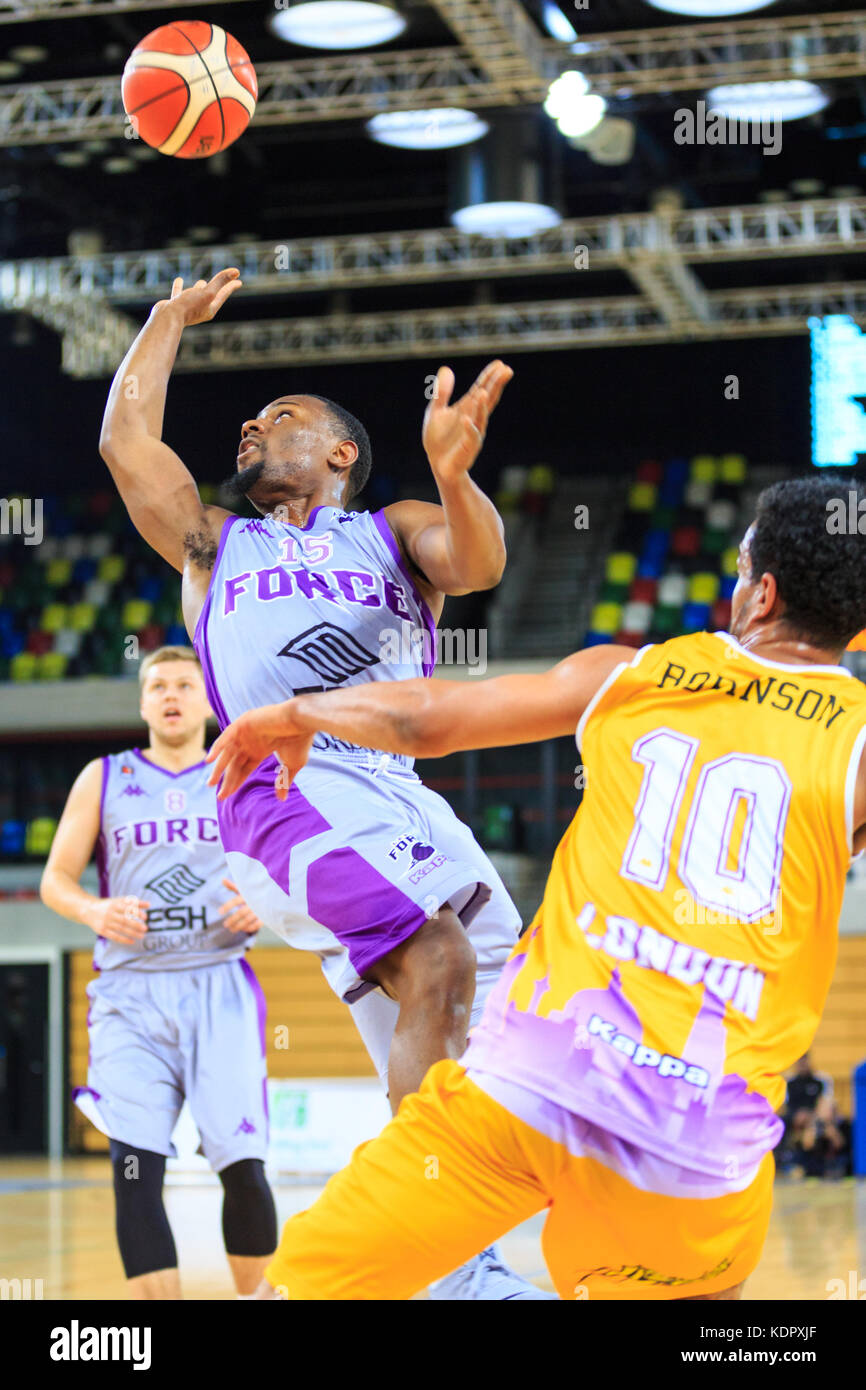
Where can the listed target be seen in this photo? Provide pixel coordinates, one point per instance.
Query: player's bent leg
(144, 1235)
(249, 1221)
(443, 1179)
(432, 977)
(608, 1238)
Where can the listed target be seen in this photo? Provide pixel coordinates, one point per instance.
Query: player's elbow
(423, 730)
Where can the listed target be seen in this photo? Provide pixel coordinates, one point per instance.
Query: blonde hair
(166, 654)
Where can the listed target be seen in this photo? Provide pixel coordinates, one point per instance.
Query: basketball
(189, 89)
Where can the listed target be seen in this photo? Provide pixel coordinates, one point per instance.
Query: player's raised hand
(236, 913)
(205, 298)
(119, 919)
(452, 435)
(251, 738)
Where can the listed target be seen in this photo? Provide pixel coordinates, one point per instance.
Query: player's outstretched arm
(120, 919)
(421, 718)
(159, 491)
(458, 547)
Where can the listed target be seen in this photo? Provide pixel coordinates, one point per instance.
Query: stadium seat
(698, 494)
(686, 540)
(606, 617)
(729, 584)
(96, 592)
(68, 642)
(39, 835)
(695, 617)
(673, 590)
(630, 639)
(49, 549)
(721, 515)
(715, 542)
(54, 617)
(720, 616)
(22, 667)
(111, 568)
(703, 588)
(620, 567)
(99, 545)
(636, 617)
(641, 497)
(732, 468)
(649, 472)
(643, 590)
(729, 561)
(73, 547)
(135, 613)
(39, 642)
(613, 593)
(83, 570)
(667, 620)
(703, 468)
(663, 518)
(596, 639)
(82, 616)
(176, 636)
(58, 573)
(13, 835)
(541, 479)
(51, 666)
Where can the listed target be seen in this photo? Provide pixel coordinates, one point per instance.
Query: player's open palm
(120, 919)
(205, 298)
(452, 435)
(252, 738)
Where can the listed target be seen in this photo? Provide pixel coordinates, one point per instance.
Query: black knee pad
(249, 1214)
(143, 1233)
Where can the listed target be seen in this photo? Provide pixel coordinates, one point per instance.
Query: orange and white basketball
(189, 89)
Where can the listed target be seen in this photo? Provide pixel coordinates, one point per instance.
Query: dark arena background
(682, 314)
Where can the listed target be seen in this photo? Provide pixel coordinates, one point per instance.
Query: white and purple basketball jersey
(159, 841)
(295, 609)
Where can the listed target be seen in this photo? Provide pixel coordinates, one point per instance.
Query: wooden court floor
(57, 1225)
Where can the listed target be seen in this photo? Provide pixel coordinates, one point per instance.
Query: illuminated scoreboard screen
(838, 391)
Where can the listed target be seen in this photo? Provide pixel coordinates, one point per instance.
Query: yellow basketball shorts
(454, 1170)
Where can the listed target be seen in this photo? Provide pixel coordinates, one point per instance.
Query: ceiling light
(504, 186)
(573, 106)
(95, 146)
(28, 53)
(788, 100)
(437, 129)
(505, 219)
(337, 23)
(8, 69)
(709, 9)
(555, 22)
(71, 159)
(119, 164)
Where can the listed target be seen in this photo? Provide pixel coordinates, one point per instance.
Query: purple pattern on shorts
(262, 1013)
(380, 916)
(705, 1128)
(381, 523)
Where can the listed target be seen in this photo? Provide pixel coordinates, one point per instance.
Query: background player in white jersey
(361, 863)
(176, 1011)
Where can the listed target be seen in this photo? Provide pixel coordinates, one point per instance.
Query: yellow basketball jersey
(682, 954)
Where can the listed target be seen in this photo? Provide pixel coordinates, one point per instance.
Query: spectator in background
(817, 1138)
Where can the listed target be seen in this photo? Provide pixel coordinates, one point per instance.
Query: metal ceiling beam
(504, 42)
(352, 86)
(16, 11)
(641, 61)
(480, 329)
(750, 232)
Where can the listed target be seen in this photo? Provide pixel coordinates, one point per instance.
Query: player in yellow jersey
(627, 1069)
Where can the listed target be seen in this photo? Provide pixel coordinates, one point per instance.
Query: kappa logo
(330, 653)
(133, 789)
(175, 884)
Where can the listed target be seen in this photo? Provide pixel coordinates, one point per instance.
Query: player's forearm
(474, 534)
(60, 891)
(136, 401)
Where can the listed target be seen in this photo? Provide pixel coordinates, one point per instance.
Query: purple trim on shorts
(101, 850)
(384, 528)
(252, 822)
(137, 753)
(199, 640)
(262, 1012)
(84, 1091)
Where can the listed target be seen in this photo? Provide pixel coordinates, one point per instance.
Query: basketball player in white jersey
(360, 863)
(176, 1011)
